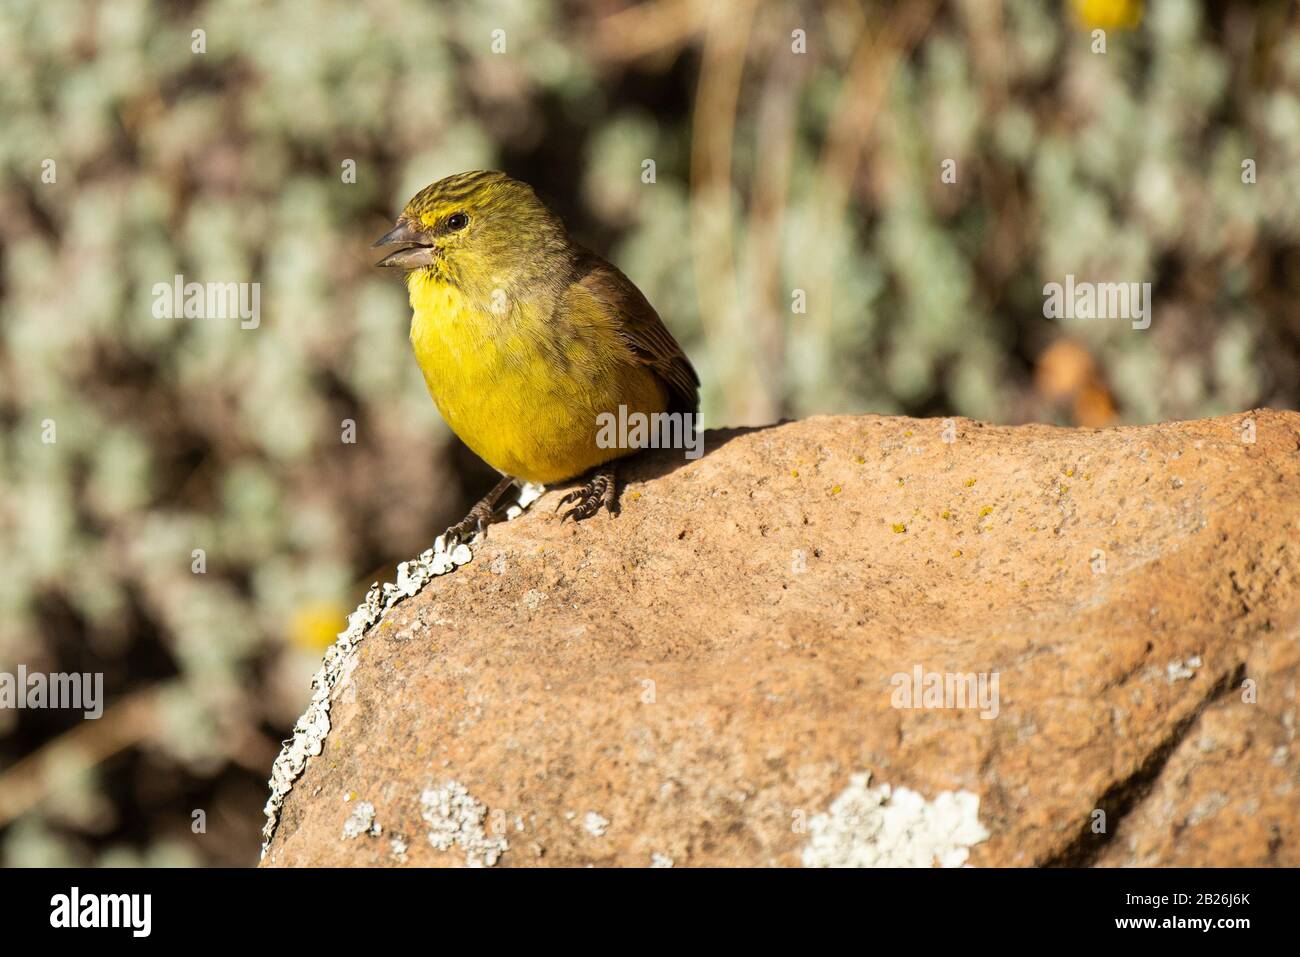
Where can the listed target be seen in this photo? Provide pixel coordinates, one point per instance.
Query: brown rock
(700, 678)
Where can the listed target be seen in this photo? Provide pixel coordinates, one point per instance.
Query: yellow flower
(1107, 14)
(316, 624)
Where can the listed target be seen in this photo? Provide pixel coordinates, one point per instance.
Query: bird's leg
(480, 516)
(597, 493)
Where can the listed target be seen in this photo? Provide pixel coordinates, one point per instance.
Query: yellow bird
(525, 338)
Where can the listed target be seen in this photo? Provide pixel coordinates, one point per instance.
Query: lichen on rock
(310, 730)
(455, 818)
(883, 827)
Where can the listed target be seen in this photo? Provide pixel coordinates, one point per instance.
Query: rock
(763, 661)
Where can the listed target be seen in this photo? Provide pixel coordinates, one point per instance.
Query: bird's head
(479, 230)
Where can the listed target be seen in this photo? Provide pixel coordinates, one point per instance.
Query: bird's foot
(590, 498)
(483, 514)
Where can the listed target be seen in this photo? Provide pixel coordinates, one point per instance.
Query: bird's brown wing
(642, 330)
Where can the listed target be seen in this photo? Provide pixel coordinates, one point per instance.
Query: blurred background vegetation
(783, 161)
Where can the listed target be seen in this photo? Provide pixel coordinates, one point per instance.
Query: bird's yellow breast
(523, 385)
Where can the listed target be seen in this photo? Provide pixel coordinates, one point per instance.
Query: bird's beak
(419, 250)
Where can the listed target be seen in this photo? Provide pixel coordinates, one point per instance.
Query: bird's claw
(472, 525)
(590, 498)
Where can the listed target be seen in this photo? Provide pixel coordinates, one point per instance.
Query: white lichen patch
(456, 819)
(884, 827)
(361, 821)
(594, 824)
(528, 494)
(1180, 671)
(310, 730)
(1207, 807)
(397, 844)
(660, 860)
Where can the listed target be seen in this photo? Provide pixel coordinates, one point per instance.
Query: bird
(525, 338)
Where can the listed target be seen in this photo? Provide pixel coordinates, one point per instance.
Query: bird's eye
(457, 221)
